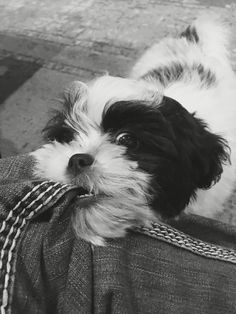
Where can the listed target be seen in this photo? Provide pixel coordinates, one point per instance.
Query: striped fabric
(175, 237)
(33, 201)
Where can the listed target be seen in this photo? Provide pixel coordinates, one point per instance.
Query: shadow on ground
(13, 73)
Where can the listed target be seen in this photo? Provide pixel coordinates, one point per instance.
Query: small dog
(148, 147)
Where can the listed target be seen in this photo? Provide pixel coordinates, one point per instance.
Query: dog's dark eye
(127, 139)
(62, 134)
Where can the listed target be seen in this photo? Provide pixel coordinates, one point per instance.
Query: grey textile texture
(164, 269)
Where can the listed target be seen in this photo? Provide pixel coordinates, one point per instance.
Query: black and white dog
(150, 146)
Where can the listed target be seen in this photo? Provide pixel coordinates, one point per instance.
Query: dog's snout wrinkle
(78, 162)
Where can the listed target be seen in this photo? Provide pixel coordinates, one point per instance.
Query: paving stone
(26, 111)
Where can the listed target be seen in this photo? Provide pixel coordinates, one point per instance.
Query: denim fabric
(21, 199)
(163, 269)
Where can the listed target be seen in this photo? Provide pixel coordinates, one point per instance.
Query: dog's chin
(98, 217)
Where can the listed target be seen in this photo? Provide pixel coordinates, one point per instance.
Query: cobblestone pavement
(44, 44)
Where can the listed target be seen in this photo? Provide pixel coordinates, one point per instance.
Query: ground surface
(45, 44)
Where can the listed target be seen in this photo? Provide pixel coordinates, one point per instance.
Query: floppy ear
(203, 153)
(212, 153)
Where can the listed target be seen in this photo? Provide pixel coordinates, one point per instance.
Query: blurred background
(45, 44)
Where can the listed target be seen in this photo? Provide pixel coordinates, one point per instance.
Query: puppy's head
(136, 154)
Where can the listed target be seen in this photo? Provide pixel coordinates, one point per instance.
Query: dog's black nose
(80, 161)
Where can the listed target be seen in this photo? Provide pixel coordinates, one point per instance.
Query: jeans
(187, 266)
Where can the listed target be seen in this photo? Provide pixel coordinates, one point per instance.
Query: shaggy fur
(152, 145)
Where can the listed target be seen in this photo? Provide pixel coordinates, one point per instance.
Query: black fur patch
(166, 74)
(206, 75)
(176, 71)
(56, 129)
(174, 147)
(190, 34)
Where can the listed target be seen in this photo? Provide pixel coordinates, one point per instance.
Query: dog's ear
(202, 152)
(212, 152)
